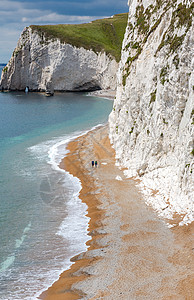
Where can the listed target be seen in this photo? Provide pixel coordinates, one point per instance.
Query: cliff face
(45, 64)
(152, 122)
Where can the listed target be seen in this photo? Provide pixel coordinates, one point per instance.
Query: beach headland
(132, 253)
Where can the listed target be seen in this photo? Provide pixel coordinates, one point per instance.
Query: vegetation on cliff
(100, 35)
(147, 21)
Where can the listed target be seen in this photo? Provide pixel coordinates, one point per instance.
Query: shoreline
(108, 94)
(118, 234)
(95, 214)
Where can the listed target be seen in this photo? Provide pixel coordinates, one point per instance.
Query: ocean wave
(6, 264)
(75, 225)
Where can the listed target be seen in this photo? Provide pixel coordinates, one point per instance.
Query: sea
(43, 221)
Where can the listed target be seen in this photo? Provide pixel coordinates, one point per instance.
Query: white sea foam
(75, 225)
(20, 241)
(59, 149)
(6, 264)
(74, 228)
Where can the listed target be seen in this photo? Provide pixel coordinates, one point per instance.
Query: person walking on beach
(92, 163)
(96, 163)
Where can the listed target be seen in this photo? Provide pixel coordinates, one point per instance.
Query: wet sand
(132, 253)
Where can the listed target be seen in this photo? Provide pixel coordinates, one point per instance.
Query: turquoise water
(42, 219)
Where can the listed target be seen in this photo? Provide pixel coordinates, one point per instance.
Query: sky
(16, 15)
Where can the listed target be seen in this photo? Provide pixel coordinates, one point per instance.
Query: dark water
(42, 220)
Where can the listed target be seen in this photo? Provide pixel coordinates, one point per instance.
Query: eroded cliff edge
(152, 122)
(67, 57)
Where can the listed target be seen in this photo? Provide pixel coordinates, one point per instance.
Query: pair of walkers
(94, 163)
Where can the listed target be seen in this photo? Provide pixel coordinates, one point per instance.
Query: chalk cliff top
(103, 34)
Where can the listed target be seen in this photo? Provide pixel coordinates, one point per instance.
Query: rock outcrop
(152, 122)
(43, 64)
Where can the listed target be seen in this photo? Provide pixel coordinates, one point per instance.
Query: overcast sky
(15, 15)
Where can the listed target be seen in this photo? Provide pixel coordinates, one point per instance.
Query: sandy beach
(132, 253)
(109, 94)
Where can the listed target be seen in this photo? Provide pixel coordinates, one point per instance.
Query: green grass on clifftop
(100, 35)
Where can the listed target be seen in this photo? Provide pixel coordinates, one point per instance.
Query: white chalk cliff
(152, 122)
(44, 64)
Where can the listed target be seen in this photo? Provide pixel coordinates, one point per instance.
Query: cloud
(15, 15)
(8, 41)
(14, 11)
(57, 18)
